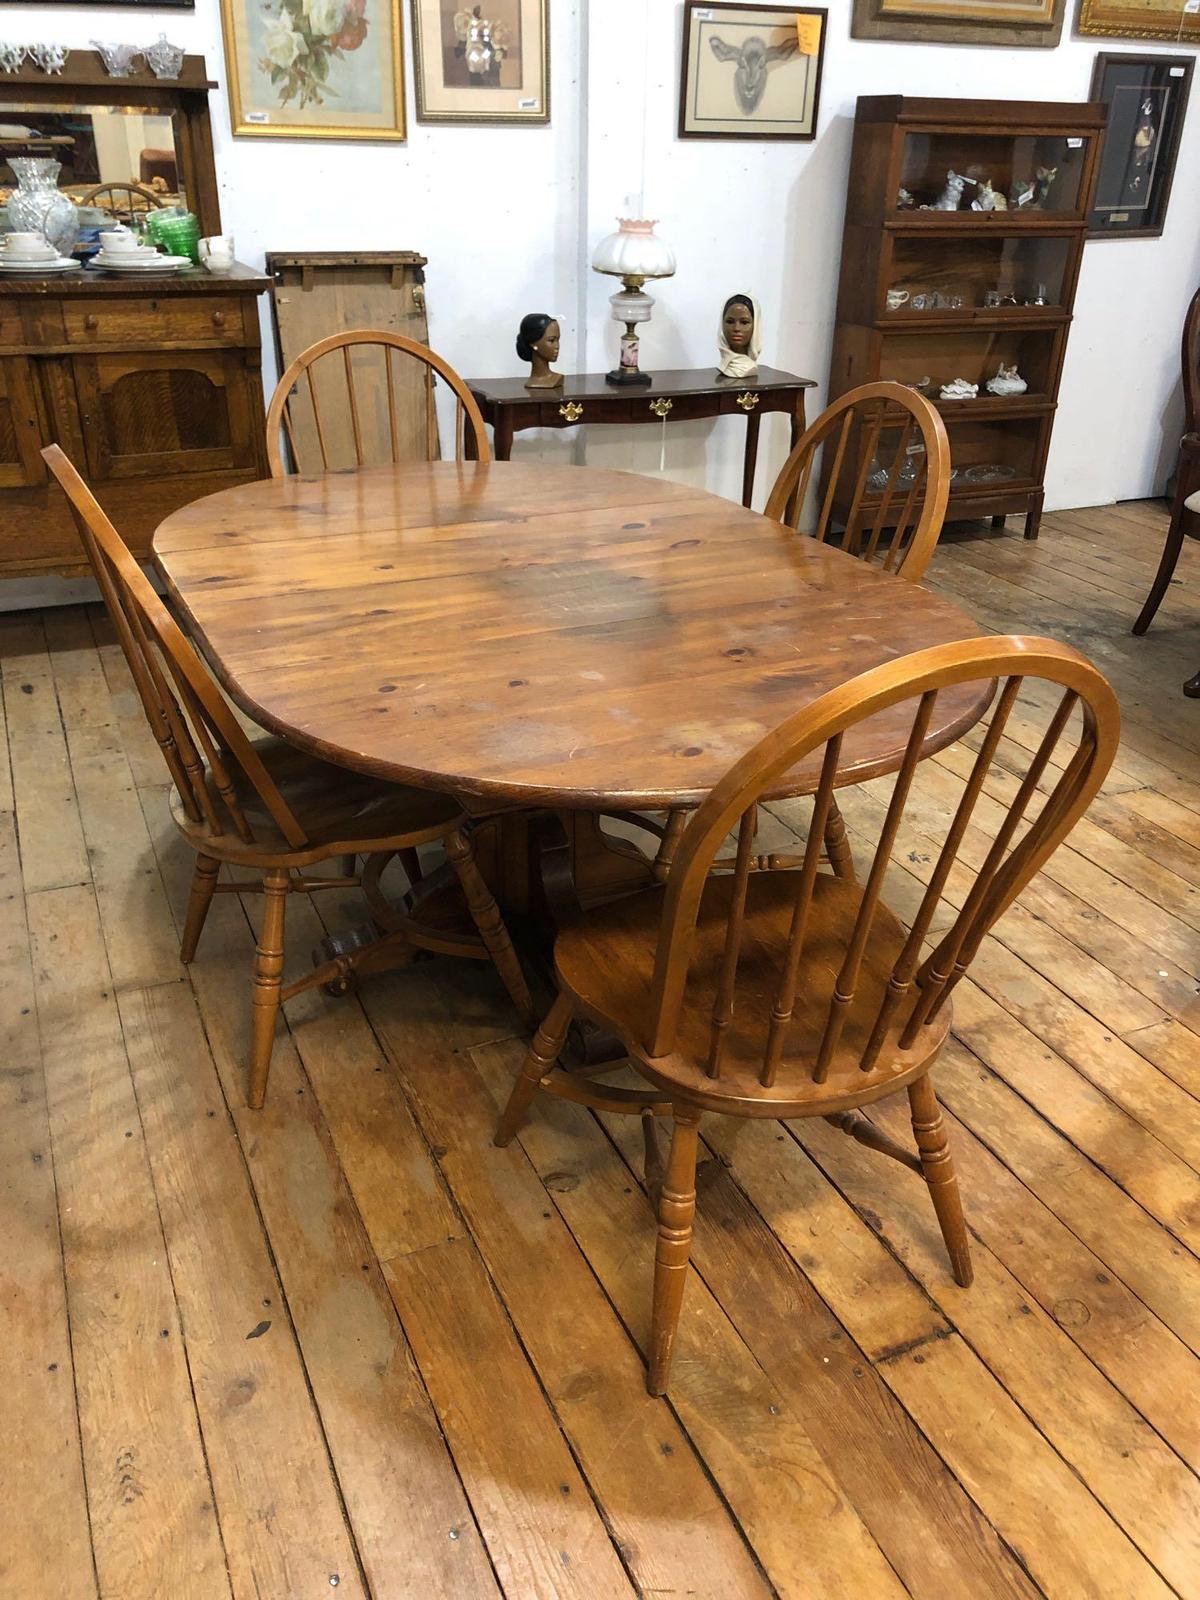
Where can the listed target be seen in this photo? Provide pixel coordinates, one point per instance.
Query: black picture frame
(1147, 98)
(739, 12)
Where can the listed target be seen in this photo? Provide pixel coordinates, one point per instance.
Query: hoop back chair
(1185, 507)
(799, 993)
(137, 198)
(876, 437)
(885, 465)
(264, 805)
(354, 400)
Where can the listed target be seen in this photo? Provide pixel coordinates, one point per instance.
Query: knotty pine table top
(520, 632)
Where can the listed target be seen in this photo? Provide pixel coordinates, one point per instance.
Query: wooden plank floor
(346, 1344)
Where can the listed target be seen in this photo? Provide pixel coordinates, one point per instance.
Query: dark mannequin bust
(537, 342)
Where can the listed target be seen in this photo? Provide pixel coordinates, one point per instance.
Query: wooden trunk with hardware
(937, 294)
(317, 293)
(154, 389)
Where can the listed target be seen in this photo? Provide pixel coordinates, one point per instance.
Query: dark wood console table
(511, 408)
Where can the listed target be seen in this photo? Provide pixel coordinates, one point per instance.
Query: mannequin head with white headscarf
(739, 338)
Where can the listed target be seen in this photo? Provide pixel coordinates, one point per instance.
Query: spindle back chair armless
(288, 391)
(262, 804)
(799, 993)
(877, 419)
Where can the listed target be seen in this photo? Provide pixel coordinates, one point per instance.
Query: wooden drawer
(172, 320)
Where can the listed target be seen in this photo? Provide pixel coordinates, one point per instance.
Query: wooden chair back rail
(1010, 862)
(200, 738)
(135, 191)
(279, 413)
(850, 433)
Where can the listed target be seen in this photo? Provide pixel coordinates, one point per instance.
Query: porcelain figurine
(1007, 381)
(905, 201)
(987, 198)
(951, 196)
(921, 385)
(1021, 194)
(1045, 177)
(538, 339)
(959, 389)
(739, 337)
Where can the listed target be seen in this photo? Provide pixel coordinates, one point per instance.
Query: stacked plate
(29, 253)
(120, 251)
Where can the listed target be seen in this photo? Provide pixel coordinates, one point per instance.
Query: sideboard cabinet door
(167, 412)
(20, 431)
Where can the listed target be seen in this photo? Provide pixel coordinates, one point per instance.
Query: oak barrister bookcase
(969, 290)
(152, 387)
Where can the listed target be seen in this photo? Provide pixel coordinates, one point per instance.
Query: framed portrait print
(315, 69)
(750, 72)
(1147, 100)
(482, 62)
(1175, 20)
(1002, 22)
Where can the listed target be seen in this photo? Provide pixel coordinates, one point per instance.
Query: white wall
(507, 217)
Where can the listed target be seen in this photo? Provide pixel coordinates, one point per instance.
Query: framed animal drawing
(750, 72)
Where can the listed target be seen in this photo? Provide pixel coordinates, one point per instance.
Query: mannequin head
(737, 320)
(538, 334)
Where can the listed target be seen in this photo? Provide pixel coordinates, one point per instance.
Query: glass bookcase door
(929, 359)
(1025, 174)
(936, 275)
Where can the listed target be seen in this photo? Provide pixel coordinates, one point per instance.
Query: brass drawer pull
(571, 410)
(747, 399)
(91, 322)
(218, 319)
(661, 407)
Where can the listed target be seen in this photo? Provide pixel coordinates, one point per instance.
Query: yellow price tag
(808, 32)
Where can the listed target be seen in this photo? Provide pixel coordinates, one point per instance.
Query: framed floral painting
(482, 60)
(315, 69)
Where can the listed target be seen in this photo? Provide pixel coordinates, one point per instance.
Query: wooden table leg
(796, 434)
(750, 459)
(502, 434)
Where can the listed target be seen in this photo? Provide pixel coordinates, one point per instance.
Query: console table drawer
(168, 319)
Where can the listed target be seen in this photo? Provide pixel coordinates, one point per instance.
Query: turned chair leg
(938, 1168)
(204, 886)
(268, 981)
(539, 1059)
(837, 845)
(668, 844)
(1166, 569)
(487, 918)
(676, 1210)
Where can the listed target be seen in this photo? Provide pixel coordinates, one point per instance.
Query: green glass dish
(175, 232)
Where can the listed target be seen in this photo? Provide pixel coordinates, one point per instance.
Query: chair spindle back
(914, 990)
(885, 470)
(354, 400)
(201, 740)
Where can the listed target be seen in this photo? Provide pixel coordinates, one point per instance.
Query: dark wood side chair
(1185, 507)
(799, 993)
(263, 806)
(352, 400)
(885, 485)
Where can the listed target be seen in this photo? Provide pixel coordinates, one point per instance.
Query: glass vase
(38, 206)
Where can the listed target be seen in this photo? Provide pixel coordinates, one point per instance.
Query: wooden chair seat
(337, 810)
(607, 963)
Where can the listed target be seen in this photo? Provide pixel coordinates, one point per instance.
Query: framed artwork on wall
(750, 72)
(485, 62)
(1147, 100)
(1175, 20)
(1001, 22)
(315, 69)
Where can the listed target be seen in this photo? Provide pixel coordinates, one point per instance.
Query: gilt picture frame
(482, 61)
(1147, 98)
(1035, 24)
(1169, 20)
(315, 69)
(751, 71)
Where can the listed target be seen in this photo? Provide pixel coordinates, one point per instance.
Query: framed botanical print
(1147, 100)
(1002, 22)
(750, 72)
(315, 69)
(484, 62)
(1175, 20)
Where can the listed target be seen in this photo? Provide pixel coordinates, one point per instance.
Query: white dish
(56, 264)
(143, 264)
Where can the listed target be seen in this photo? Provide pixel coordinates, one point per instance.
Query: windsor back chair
(262, 804)
(121, 199)
(799, 993)
(347, 402)
(907, 493)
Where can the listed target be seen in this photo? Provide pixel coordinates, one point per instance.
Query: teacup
(896, 298)
(119, 241)
(32, 246)
(216, 252)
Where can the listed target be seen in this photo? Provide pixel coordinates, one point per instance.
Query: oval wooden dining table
(541, 641)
